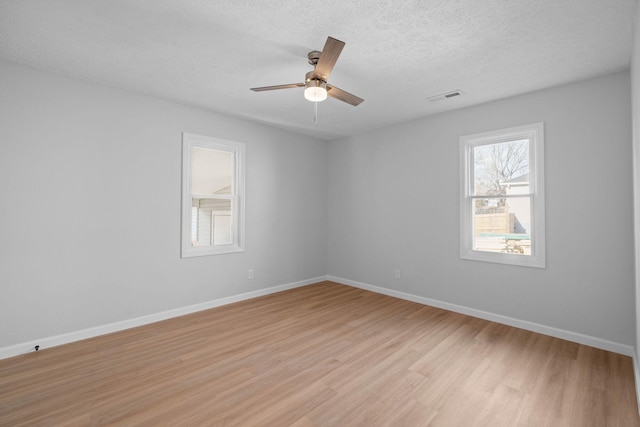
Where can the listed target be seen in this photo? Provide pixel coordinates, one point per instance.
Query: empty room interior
(420, 213)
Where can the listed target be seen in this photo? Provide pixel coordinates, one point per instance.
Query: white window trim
(189, 141)
(535, 134)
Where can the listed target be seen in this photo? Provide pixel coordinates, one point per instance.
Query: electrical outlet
(250, 273)
(396, 273)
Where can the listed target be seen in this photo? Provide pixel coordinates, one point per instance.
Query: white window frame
(189, 141)
(535, 134)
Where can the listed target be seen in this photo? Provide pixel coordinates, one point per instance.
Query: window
(212, 196)
(502, 196)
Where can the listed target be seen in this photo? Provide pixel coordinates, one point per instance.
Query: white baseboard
(56, 340)
(614, 347)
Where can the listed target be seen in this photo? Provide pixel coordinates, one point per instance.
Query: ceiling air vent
(447, 95)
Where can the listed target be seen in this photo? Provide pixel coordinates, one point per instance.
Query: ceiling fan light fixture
(315, 90)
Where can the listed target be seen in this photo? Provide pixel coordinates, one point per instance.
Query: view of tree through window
(502, 213)
(496, 164)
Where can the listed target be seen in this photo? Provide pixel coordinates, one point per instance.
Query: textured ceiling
(208, 53)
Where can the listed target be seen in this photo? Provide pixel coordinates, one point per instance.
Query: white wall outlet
(396, 273)
(250, 273)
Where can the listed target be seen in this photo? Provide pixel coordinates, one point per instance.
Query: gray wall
(635, 98)
(90, 206)
(81, 166)
(393, 203)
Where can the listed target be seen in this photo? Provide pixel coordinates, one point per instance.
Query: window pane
(212, 171)
(502, 225)
(211, 175)
(497, 167)
(212, 222)
(222, 231)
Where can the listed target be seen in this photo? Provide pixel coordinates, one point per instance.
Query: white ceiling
(208, 53)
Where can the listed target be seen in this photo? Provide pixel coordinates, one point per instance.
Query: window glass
(212, 176)
(502, 225)
(495, 165)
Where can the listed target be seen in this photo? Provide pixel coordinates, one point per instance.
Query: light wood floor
(321, 355)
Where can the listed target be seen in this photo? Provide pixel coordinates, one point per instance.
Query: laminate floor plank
(320, 355)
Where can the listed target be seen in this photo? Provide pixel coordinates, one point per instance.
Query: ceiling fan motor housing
(311, 76)
(313, 57)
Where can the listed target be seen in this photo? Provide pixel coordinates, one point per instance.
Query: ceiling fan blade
(328, 58)
(289, 86)
(344, 96)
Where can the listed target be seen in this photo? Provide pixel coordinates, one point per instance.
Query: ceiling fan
(316, 87)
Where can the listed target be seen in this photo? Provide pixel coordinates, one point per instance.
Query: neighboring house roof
(522, 179)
